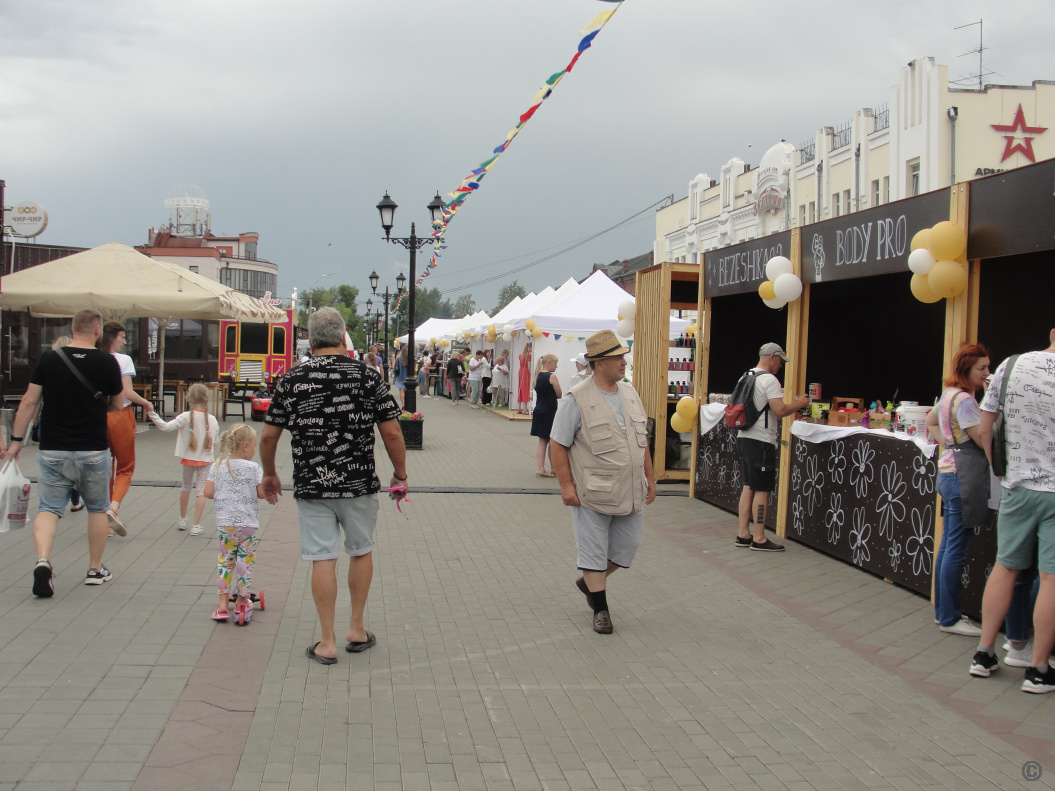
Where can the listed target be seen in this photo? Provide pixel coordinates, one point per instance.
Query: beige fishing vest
(608, 465)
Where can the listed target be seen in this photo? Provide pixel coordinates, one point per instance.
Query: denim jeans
(955, 541)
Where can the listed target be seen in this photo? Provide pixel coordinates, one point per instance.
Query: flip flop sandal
(355, 648)
(322, 660)
(78, 507)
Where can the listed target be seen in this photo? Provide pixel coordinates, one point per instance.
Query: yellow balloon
(921, 289)
(691, 330)
(765, 290)
(921, 241)
(536, 333)
(529, 324)
(947, 279)
(947, 241)
(618, 316)
(680, 424)
(687, 408)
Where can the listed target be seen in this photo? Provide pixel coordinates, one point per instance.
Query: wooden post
(794, 377)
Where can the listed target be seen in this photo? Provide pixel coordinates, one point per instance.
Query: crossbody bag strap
(1005, 378)
(96, 393)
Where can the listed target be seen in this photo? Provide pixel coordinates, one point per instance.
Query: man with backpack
(756, 408)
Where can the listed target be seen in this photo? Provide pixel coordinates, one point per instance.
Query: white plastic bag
(14, 497)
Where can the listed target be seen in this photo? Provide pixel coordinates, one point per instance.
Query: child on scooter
(234, 486)
(194, 445)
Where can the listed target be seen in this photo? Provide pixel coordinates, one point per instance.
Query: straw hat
(604, 344)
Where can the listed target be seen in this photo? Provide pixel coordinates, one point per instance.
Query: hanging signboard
(26, 219)
(1013, 212)
(740, 268)
(872, 242)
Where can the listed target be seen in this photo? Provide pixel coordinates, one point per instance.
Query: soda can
(815, 391)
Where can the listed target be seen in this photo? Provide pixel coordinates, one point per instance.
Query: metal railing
(882, 118)
(841, 136)
(807, 152)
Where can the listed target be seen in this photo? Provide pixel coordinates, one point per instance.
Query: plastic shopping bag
(14, 497)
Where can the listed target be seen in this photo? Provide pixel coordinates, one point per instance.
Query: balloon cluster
(936, 274)
(529, 325)
(781, 285)
(627, 315)
(684, 415)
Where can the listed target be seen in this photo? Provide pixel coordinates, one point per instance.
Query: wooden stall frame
(794, 375)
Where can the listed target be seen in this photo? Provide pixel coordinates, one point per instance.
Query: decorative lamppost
(387, 209)
(400, 282)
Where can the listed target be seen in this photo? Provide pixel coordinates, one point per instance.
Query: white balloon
(920, 261)
(507, 336)
(628, 309)
(625, 328)
(777, 266)
(776, 304)
(507, 328)
(787, 287)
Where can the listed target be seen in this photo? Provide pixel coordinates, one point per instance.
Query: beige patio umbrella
(122, 283)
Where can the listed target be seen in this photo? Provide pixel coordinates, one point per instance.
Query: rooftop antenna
(982, 73)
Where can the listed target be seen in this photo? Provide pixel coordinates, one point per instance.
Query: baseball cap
(772, 348)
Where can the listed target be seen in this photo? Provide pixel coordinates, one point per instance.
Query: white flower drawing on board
(889, 506)
(798, 512)
(861, 472)
(922, 474)
(833, 519)
(965, 577)
(736, 476)
(723, 472)
(920, 545)
(708, 455)
(796, 478)
(800, 450)
(895, 555)
(837, 461)
(813, 485)
(859, 536)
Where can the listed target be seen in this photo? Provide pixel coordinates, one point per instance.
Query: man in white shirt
(757, 445)
(476, 378)
(1026, 525)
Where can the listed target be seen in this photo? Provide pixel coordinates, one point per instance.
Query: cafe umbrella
(122, 283)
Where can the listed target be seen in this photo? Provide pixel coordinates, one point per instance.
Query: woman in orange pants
(121, 426)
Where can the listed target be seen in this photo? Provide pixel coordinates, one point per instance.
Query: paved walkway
(727, 669)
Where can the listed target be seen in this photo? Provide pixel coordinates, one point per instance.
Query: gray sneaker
(602, 622)
(98, 576)
(962, 627)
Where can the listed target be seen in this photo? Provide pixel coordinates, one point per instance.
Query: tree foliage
(344, 298)
(464, 306)
(507, 294)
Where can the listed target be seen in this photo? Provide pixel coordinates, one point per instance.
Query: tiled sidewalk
(728, 669)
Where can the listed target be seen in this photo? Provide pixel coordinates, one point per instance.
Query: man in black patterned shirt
(330, 405)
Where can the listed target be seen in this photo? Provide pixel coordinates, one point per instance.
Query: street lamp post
(387, 208)
(400, 281)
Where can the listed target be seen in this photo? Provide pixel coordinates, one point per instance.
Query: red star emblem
(1019, 124)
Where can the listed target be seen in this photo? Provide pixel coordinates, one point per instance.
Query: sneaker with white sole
(197, 530)
(182, 523)
(963, 627)
(43, 579)
(1019, 657)
(1038, 682)
(98, 576)
(984, 664)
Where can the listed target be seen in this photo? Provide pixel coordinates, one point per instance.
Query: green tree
(464, 305)
(507, 294)
(344, 298)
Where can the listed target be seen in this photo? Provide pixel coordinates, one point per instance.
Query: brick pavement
(728, 669)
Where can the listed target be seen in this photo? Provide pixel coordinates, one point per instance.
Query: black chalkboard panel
(719, 478)
(740, 268)
(868, 499)
(1012, 212)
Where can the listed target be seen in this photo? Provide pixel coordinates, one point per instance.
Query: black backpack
(741, 411)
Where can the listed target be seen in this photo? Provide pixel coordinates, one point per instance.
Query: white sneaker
(962, 627)
(1019, 657)
(197, 530)
(182, 523)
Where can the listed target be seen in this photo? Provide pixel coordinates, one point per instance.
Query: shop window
(875, 192)
(278, 340)
(230, 340)
(183, 340)
(16, 340)
(835, 205)
(51, 330)
(213, 335)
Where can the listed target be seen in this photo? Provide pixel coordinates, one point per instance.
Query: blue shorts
(321, 523)
(60, 471)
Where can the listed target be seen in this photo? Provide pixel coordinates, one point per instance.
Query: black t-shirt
(455, 369)
(330, 405)
(70, 418)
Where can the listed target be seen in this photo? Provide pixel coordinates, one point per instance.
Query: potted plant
(413, 428)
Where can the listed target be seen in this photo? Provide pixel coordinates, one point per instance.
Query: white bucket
(913, 419)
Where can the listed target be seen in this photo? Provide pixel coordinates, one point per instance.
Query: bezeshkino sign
(27, 219)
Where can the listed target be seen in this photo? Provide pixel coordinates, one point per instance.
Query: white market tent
(430, 328)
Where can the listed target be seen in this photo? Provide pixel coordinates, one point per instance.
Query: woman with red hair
(963, 481)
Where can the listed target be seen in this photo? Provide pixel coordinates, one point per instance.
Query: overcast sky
(295, 118)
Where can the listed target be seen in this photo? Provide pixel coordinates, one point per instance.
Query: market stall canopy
(471, 324)
(592, 307)
(123, 283)
(431, 328)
